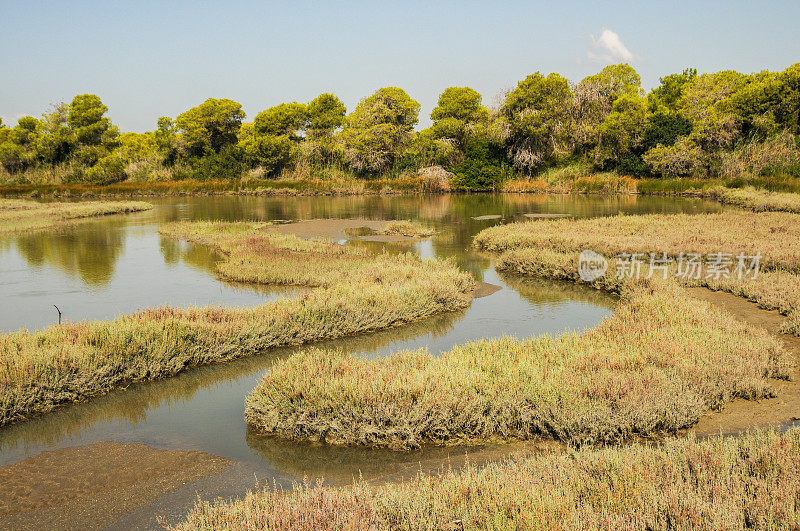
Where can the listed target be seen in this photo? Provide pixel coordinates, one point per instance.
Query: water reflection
(93, 256)
(90, 252)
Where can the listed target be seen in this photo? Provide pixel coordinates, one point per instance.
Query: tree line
(690, 125)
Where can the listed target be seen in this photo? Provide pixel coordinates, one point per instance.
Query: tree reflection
(89, 251)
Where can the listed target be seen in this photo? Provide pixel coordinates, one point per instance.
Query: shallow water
(104, 267)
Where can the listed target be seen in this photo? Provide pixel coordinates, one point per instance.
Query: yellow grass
(731, 483)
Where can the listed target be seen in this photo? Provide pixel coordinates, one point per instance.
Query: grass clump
(17, 215)
(575, 177)
(756, 200)
(406, 228)
(751, 481)
(355, 292)
(656, 366)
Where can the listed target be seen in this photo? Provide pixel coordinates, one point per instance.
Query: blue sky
(150, 59)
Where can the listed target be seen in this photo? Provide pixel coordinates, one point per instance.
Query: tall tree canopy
(325, 114)
(459, 109)
(538, 113)
(378, 129)
(211, 126)
(283, 119)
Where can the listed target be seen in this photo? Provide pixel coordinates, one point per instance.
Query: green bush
(665, 128)
(227, 164)
(483, 167)
(109, 169)
(634, 166)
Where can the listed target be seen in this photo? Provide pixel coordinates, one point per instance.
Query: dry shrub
(435, 179)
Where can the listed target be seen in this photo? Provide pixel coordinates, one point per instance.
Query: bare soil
(88, 487)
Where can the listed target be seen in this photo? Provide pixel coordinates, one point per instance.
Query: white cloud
(608, 48)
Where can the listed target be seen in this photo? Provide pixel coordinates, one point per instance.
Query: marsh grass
(654, 367)
(356, 291)
(406, 228)
(756, 200)
(289, 184)
(776, 235)
(550, 248)
(17, 215)
(751, 481)
(576, 177)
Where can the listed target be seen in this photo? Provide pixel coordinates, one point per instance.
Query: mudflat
(89, 487)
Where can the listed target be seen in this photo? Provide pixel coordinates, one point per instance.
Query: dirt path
(88, 487)
(741, 414)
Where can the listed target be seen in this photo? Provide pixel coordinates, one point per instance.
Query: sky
(151, 59)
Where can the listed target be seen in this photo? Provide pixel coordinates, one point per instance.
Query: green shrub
(227, 164)
(109, 169)
(483, 166)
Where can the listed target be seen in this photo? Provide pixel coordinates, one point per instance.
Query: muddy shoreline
(740, 414)
(89, 487)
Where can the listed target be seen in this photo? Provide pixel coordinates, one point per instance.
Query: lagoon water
(101, 268)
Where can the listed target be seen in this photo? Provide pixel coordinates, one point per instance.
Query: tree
(166, 139)
(87, 120)
(55, 140)
(428, 149)
(769, 103)
(17, 152)
(704, 102)
(482, 167)
(287, 119)
(325, 114)
(537, 111)
(664, 127)
(621, 132)
(458, 112)
(683, 158)
(615, 81)
(379, 128)
(669, 92)
(136, 146)
(593, 100)
(270, 152)
(210, 126)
